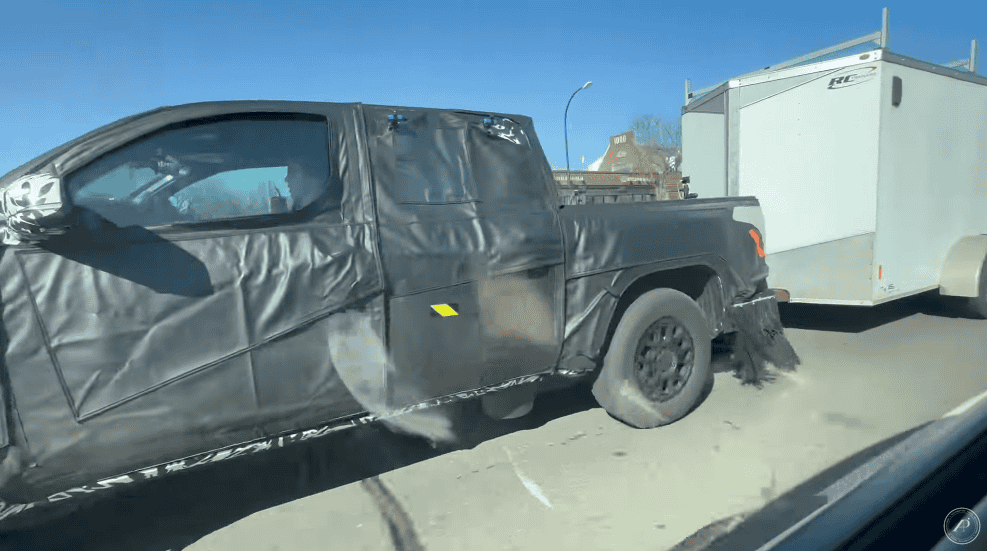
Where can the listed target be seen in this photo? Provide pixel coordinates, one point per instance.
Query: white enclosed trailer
(871, 171)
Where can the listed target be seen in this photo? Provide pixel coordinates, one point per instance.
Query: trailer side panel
(809, 154)
(932, 178)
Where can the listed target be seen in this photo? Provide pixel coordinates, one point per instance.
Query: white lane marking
(531, 486)
(962, 408)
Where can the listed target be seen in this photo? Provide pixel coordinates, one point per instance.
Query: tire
(639, 396)
(977, 306)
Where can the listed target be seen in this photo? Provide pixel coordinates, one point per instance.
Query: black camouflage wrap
(33, 206)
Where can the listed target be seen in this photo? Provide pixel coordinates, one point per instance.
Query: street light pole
(565, 122)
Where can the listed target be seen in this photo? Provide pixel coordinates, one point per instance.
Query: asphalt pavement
(568, 476)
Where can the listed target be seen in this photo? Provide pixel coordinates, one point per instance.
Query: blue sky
(69, 67)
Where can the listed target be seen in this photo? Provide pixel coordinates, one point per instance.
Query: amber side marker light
(757, 241)
(782, 295)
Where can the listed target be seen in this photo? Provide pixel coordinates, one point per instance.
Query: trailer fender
(961, 272)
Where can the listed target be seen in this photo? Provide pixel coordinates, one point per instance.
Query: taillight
(758, 241)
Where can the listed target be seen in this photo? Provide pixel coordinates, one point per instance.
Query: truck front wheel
(658, 363)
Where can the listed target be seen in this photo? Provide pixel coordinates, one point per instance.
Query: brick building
(627, 163)
(624, 154)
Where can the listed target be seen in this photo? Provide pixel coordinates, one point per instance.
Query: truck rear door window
(503, 164)
(431, 166)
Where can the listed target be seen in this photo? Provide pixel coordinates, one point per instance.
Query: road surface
(568, 476)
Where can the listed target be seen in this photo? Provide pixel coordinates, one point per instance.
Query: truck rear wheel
(658, 363)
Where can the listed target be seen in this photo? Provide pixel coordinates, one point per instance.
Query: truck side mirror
(36, 208)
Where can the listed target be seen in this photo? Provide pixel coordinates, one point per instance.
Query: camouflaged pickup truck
(207, 281)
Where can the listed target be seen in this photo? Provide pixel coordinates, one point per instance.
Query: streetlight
(565, 122)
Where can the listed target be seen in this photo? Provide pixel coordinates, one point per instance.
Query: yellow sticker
(444, 310)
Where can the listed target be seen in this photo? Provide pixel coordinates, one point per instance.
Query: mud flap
(760, 340)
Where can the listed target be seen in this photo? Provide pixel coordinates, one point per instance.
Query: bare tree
(664, 141)
(649, 129)
(672, 133)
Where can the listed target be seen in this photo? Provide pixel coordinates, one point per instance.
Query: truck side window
(431, 165)
(219, 168)
(502, 160)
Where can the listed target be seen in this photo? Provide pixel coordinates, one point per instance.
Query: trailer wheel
(658, 364)
(977, 305)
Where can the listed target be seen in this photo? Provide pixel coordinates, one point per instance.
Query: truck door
(473, 271)
(523, 300)
(210, 327)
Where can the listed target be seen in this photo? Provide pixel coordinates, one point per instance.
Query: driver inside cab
(304, 186)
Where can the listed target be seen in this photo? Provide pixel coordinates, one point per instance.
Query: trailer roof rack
(878, 38)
